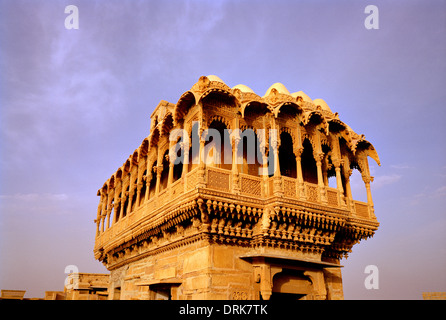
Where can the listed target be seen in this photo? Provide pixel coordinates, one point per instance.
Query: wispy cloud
(401, 166)
(381, 181)
(21, 205)
(34, 197)
(428, 194)
(440, 192)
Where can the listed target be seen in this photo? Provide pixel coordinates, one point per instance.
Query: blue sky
(74, 104)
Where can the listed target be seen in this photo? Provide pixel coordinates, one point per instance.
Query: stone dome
(214, 78)
(322, 104)
(303, 95)
(243, 88)
(279, 87)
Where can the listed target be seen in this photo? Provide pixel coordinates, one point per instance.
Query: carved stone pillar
(98, 215)
(265, 174)
(104, 211)
(275, 143)
(138, 192)
(201, 167)
(148, 179)
(130, 197)
(124, 196)
(348, 189)
(367, 179)
(111, 207)
(116, 206)
(108, 216)
(263, 171)
(325, 167)
(300, 178)
(159, 170)
(130, 194)
(337, 164)
(170, 176)
(320, 179)
(172, 158)
(185, 148)
(97, 221)
(103, 222)
(235, 139)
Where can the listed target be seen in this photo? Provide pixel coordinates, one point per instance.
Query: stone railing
(312, 193)
(219, 179)
(362, 209)
(333, 197)
(250, 185)
(191, 180)
(222, 180)
(290, 187)
(148, 207)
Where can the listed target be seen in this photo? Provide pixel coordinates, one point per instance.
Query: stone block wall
(203, 271)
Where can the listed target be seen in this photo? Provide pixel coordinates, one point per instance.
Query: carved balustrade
(220, 181)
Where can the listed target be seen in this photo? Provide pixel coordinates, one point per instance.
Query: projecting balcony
(223, 183)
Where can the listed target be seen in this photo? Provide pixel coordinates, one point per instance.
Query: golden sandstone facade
(228, 198)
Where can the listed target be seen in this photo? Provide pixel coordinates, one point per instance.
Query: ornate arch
(294, 105)
(307, 118)
(126, 166)
(111, 182)
(119, 174)
(290, 132)
(151, 160)
(306, 135)
(325, 141)
(337, 129)
(184, 104)
(104, 189)
(367, 148)
(154, 138)
(144, 147)
(167, 124)
(218, 118)
(134, 159)
(252, 104)
(225, 97)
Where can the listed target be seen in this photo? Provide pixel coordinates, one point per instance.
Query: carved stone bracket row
(279, 226)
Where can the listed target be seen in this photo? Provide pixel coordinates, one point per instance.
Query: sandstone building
(12, 294)
(228, 198)
(86, 286)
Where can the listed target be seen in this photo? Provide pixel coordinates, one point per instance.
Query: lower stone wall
(333, 284)
(201, 271)
(205, 271)
(231, 277)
